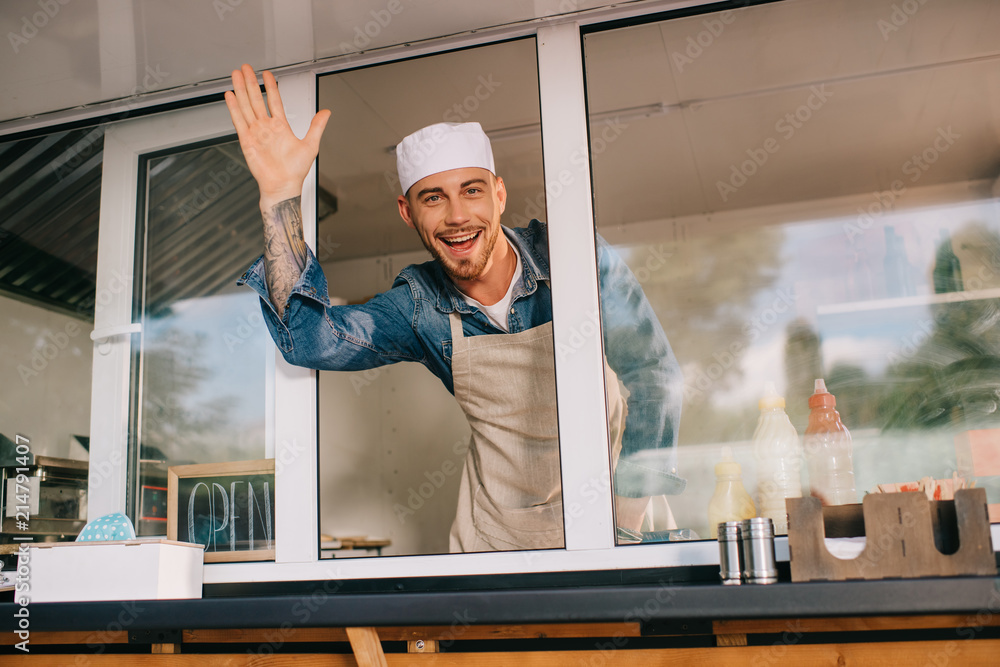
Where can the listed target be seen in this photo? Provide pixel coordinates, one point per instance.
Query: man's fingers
(240, 92)
(253, 93)
(316, 128)
(273, 96)
(234, 112)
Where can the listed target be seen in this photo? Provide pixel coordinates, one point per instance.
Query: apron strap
(456, 326)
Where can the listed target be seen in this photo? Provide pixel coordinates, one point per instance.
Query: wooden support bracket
(367, 647)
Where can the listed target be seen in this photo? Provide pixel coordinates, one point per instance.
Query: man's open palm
(278, 160)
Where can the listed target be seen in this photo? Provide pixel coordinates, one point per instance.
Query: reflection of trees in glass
(803, 364)
(707, 295)
(949, 375)
(859, 396)
(174, 370)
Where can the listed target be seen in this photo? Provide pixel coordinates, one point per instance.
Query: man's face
(457, 214)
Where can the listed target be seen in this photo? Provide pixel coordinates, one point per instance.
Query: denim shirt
(409, 322)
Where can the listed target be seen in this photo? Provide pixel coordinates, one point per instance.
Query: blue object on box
(108, 528)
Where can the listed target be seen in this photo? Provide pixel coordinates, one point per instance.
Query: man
(478, 316)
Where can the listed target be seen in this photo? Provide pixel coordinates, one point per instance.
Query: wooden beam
(852, 624)
(367, 647)
(438, 633)
(959, 652)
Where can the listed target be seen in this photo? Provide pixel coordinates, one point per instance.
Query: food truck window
(49, 200)
(804, 191)
(393, 440)
(200, 368)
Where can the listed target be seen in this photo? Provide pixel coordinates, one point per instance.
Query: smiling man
(478, 316)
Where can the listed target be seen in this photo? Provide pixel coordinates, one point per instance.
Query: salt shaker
(729, 553)
(757, 542)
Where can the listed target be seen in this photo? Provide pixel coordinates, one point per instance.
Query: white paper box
(131, 570)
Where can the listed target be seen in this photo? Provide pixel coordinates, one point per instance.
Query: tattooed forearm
(284, 250)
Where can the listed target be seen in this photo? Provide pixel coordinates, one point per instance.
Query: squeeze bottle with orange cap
(730, 502)
(779, 459)
(827, 445)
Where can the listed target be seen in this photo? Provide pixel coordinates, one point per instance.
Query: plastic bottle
(730, 502)
(779, 459)
(828, 451)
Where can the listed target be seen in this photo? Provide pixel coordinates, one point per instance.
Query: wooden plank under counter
(979, 652)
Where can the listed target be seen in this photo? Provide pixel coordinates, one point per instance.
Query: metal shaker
(729, 553)
(757, 548)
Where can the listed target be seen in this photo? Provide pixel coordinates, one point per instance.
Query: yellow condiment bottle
(730, 501)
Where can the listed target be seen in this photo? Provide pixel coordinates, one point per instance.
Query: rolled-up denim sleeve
(639, 352)
(314, 334)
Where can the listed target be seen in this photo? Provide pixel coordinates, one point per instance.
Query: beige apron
(510, 495)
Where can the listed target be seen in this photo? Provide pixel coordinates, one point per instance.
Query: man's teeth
(461, 239)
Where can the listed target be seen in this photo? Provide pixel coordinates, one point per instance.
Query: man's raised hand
(278, 160)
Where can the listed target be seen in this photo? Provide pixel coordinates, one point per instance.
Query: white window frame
(292, 424)
(291, 406)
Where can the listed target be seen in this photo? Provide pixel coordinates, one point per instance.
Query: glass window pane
(797, 210)
(50, 188)
(199, 376)
(393, 440)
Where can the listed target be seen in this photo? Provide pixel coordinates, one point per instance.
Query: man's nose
(458, 212)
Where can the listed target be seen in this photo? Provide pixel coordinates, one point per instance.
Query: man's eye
(473, 191)
(432, 198)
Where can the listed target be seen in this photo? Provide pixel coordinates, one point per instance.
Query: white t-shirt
(497, 313)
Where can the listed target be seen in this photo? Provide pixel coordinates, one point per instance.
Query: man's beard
(464, 269)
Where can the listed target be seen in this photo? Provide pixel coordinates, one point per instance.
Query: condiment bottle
(828, 451)
(730, 502)
(779, 459)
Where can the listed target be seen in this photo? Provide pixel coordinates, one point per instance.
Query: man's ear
(404, 211)
(501, 194)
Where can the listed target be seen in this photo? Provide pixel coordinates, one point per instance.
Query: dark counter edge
(327, 606)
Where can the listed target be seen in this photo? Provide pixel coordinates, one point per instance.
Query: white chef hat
(441, 147)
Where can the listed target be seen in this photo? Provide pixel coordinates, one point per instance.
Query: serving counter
(418, 622)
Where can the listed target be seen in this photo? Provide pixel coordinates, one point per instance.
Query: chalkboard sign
(228, 507)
